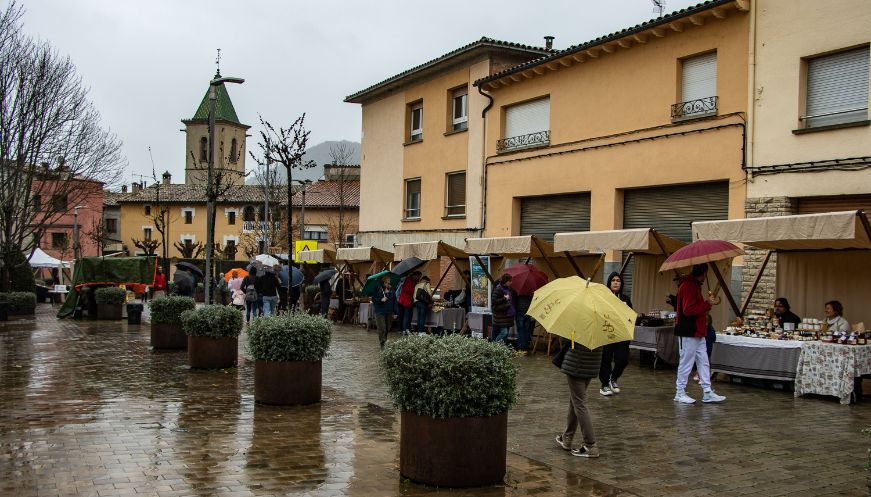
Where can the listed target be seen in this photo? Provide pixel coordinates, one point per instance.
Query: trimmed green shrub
(216, 321)
(168, 310)
(295, 336)
(22, 274)
(20, 302)
(450, 377)
(110, 295)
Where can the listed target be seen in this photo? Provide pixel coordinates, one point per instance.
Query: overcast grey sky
(148, 63)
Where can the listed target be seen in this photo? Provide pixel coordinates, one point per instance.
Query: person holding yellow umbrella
(589, 315)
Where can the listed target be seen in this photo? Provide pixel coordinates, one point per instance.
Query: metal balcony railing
(538, 139)
(262, 226)
(694, 108)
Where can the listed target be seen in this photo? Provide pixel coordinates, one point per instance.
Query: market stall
(319, 256)
(820, 257)
(430, 252)
(107, 271)
(361, 261)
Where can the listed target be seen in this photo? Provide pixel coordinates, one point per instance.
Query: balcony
(532, 140)
(702, 107)
(259, 226)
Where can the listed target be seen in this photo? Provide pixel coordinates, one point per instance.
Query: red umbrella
(701, 251)
(526, 278)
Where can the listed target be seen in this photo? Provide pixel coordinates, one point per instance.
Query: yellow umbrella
(584, 312)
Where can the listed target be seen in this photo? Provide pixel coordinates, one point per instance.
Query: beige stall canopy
(320, 255)
(640, 241)
(827, 231)
(364, 254)
(427, 251)
(510, 246)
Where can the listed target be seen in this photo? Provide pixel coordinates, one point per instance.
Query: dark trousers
(618, 354)
(422, 314)
(382, 321)
(524, 330)
(282, 299)
(578, 413)
(405, 315)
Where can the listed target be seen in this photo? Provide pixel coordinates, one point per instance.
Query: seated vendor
(835, 317)
(783, 314)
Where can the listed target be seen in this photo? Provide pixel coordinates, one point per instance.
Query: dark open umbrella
(407, 265)
(296, 277)
(324, 275)
(526, 278)
(374, 281)
(190, 267)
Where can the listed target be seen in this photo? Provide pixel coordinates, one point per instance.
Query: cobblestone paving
(86, 408)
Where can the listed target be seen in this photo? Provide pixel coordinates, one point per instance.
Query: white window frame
(315, 232)
(448, 207)
(820, 110)
(460, 122)
(693, 94)
(412, 212)
(415, 134)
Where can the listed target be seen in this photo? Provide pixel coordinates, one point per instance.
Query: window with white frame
(460, 109)
(526, 125)
(416, 121)
(315, 232)
(412, 198)
(455, 194)
(698, 86)
(837, 88)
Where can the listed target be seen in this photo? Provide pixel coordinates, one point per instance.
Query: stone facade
(764, 295)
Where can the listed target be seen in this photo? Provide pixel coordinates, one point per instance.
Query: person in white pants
(691, 328)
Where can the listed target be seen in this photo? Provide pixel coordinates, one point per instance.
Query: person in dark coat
(249, 287)
(523, 322)
(783, 313)
(580, 365)
(326, 291)
(615, 356)
(183, 282)
(383, 302)
(502, 301)
(691, 327)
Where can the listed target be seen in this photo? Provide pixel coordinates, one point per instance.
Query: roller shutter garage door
(544, 216)
(817, 205)
(671, 210)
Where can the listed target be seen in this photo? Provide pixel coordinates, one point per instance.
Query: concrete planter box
(453, 452)
(287, 383)
(112, 312)
(212, 353)
(168, 336)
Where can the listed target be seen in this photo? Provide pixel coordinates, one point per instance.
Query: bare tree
(98, 234)
(340, 158)
(190, 250)
(285, 146)
(270, 227)
(148, 245)
(45, 118)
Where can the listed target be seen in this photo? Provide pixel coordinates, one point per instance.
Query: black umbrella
(324, 275)
(190, 267)
(407, 265)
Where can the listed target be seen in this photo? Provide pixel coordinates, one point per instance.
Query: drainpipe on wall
(484, 160)
(751, 98)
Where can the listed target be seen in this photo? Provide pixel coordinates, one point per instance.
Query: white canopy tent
(40, 259)
(820, 257)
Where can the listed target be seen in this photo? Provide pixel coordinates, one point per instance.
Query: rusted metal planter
(112, 312)
(453, 452)
(212, 353)
(287, 383)
(168, 336)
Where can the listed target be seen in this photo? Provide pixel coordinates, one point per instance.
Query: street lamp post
(76, 231)
(211, 194)
(304, 184)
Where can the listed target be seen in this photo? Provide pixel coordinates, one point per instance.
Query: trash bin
(134, 313)
(4, 311)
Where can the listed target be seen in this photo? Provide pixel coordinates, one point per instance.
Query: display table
(366, 312)
(831, 369)
(449, 318)
(756, 357)
(657, 339)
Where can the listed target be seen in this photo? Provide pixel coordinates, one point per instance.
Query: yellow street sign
(304, 246)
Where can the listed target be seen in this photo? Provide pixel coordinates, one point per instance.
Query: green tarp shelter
(108, 271)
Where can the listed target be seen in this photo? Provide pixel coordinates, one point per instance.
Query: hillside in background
(320, 154)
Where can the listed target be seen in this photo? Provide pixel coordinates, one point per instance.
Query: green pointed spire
(223, 107)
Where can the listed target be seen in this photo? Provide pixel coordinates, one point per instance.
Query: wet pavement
(86, 408)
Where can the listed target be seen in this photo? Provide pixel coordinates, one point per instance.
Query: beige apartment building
(809, 139)
(423, 145)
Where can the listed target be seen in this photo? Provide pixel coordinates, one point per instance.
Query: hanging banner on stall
(480, 285)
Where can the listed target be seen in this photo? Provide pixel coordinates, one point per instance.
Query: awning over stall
(639, 241)
(828, 231)
(322, 256)
(40, 259)
(364, 254)
(427, 251)
(541, 253)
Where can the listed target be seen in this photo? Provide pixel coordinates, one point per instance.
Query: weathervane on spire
(218, 64)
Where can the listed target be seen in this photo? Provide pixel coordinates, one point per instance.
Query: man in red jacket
(691, 327)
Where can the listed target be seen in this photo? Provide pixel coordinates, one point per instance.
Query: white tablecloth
(449, 318)
(756, 357)
(757, 342)
(366, 312)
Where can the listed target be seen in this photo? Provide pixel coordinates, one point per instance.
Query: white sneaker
(683, 398)
(564, 444)
(615, 387)
(712, 396)
(606, 391)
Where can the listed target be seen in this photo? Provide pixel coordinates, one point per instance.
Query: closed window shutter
(527, 118)
(835, 84)
(699, 78)
(456, 194)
